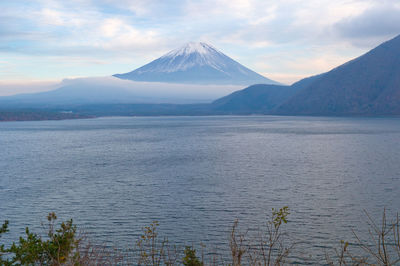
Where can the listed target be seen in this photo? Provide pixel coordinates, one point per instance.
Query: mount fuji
(196, 63)
(196, 73)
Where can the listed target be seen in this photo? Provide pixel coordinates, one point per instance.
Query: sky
(45, 41)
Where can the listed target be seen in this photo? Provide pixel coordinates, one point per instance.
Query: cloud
(118, 35)
(377, 22)
(12, 88)
(54, 28)
(150, 92)
(126, 34)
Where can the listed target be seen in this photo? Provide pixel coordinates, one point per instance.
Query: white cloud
(111, 27)
(8, 88)
(117, 35)
(147, 92)
(381, 21)
(52, 17)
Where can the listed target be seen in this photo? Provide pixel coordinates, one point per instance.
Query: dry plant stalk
(268, 248)
(383, 247)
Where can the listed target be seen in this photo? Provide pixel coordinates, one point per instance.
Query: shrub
(190, 258)
(59, 248)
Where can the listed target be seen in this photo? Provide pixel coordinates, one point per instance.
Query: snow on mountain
(197, 63)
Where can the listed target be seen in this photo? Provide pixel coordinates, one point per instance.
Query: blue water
(196, 175)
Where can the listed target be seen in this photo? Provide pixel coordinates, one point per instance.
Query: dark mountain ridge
(367, 85)
(260, 98)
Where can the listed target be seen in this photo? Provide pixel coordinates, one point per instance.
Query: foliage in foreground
(63, 246)
(59, 248)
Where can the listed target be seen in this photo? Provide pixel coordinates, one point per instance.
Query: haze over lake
(196, 175)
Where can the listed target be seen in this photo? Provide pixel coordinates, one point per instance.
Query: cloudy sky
(42, 41)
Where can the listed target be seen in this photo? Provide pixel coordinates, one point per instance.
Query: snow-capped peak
(196, 62)
(191, 47)
(191, 55)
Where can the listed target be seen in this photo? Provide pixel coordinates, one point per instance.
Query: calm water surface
(196, 175)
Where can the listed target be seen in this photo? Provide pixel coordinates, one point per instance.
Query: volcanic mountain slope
(196, 63)
(367, 85)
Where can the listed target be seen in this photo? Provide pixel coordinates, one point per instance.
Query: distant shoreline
(40, 115)
(33, 115)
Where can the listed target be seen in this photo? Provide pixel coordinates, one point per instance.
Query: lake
(196, 175)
